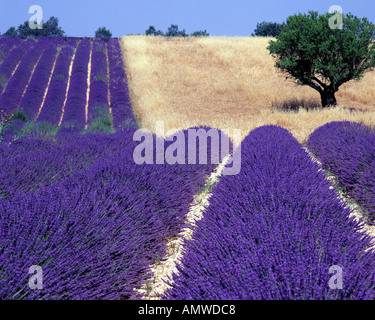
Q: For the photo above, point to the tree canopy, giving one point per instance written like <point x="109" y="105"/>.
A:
<point x="151" y="31"/>
<point x="50" y="28"/>
<point x="103" y="33"/>
<point x="310" y="51"/>
<point x="268" y="29"/>
<point x="174" y="31"/>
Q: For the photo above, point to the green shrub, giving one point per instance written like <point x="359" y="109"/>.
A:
<point x="294" y="105"/>
<point x="101" y="124"/>
<point x="20" y="115"/>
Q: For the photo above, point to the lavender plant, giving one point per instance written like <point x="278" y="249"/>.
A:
<point x="74" y="114"/>
<point x="11" y="62"/>
<point x="273" y="231"/>
<point x="119" y="92"/>
<point x="347" y="149"/>
<point x="52" y="109"/>
<point x="96" y="231"/>
<point x="34" y="94"/>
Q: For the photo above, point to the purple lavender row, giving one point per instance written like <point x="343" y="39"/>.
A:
<point x="347" y="149"/>
<point x="31" y="164"/>
<point x="7" y="45"/>
<point x="119" y="92"/>
<point x="75" y="114"/>
<point x="55" y="97"/>
<point x="11" y="62"/>
<point x="274" y="232"/>
<point x="12" y="95"/>
<point x="34" y="94"/>
<point x="96" y="233"/>
<point x="98" y="99"/>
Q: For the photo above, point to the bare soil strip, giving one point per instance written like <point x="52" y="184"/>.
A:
<point x="109" y="93"/>
<point x="49" y="82"/>
<point x="11" y="76"/>
<point x="88" y="87"/>
<point x="67" y="87"/>
<point x="164" y="269"/>
<point x="31" y="76"/>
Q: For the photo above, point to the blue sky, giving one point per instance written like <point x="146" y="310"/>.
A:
<point x="219" y="17"/>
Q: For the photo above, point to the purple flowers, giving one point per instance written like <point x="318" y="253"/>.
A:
<point x="52" y="109"/>
<point x="10" y="64"/>
<point x="98" y="100"/>
<point x="95" y="221"/>
<point x="274" y="231"/>
<point x="6" y="45"/>
<point x="74" y="114"/>
<point x="347" y="149"/>
<point x="108" y="92"/>
<point x="34" y="94"/>
<point x="120" y="100"/>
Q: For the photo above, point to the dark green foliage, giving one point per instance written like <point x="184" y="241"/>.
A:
<point x="12" y="31"/>
<point x="309" y="51"/>
<point x="103" y="33"/>
<point x="102" y="121"/>
<point x="295" y="105"/>
<point x="199" y="33"/>
<point x="173" y="31"/>
<point x="41" y="129"/>
<point x="101" y="125"/>
<point x="151" y="31"/>
<point x="20" y="115"/>
<point x="50" y="28"/>
<point x="268" y="29"/>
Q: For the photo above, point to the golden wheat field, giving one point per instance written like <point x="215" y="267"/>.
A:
<point x="227" y="83"/>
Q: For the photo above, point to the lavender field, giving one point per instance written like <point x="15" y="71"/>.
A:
<point x="74" y="202"/>
<point x="65" y="81"/>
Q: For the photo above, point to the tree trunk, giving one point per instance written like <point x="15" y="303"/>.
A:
<point x="328" y="97"/>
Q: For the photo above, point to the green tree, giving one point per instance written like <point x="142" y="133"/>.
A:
<point x="174" y="32"/>
<point x="103" y="33"/>
<point x="12" y="31"/>
<point x="321" y="57"/>
<point x="268" y="29"/>
<point x="199" y="33"/>
<point x="151" y="31"/>
<point x="50" y="28"/>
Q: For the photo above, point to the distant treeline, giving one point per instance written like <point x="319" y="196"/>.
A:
<point x="173" y="31"/>
<point x="51" y="28"/>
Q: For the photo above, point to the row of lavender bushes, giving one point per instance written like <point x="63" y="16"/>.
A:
<point x="347" y="150"/>
<point x="273" y="231"/>
<point x="94" y="231"/>
<point x="54" y="101"/>
<point x="98" y="105"/>
<point x="74" y="113"/>
<point x="26" y="90"/>
<point x="29" y="164"/>
<point x="12" y="95"/>
<point x="10" y="63"/>
<point x="35" y="91"/>
<point x="122" y="111"/>
<point x="7" y="45"/>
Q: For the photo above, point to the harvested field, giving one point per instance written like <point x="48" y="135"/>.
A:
<point x="227" y="83"/>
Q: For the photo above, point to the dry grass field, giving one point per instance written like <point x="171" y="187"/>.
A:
<point x="227" y="83"/>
